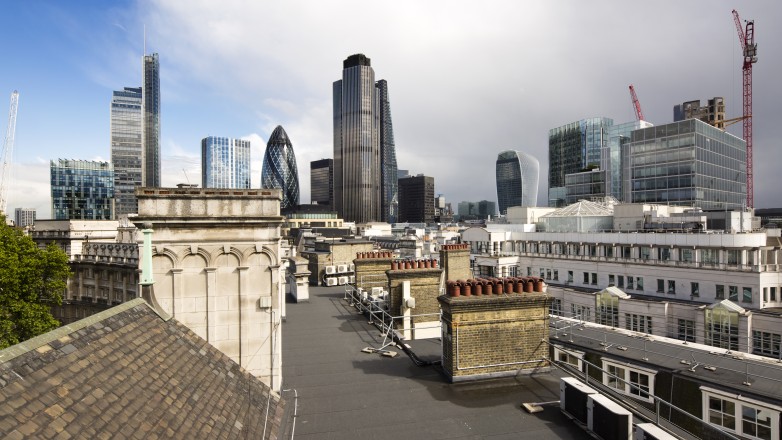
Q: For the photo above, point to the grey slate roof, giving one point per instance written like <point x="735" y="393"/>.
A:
<point x="130" y="373"/>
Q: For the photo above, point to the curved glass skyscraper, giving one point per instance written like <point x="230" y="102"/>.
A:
<point x="517" y="180"/>
<point x="279" y="168"/>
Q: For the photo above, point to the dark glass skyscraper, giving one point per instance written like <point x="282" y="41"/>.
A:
<point x="416" y="199"/>
<point x="279" y="168"/>
<point x="364" y="153"/>
<point x="126" y="144"/>
<point x="151" y="107"/>
<point x="322" y="182"/>
<point x="225" y="163"/>
<point x="517" y="180"/>
<point x="82" y="190"/>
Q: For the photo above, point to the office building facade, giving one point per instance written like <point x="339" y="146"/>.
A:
<point x="225" y="163"/>
<point x="24" y="217"/>
<point x="322" y="182"/>
<point x="364" y="151"/>
<point x="586" y="185"/>
<point x="82" y="190"/>
<point x="476" y="210"/>
<point x="150" y="173"/>
<point x="388" y="169"/>
<point x="689" y="163"/>
<point x="517" y="180"/>
<point x="416" y="199"/>
<point x="126" y="147"/>
<point x="573" y="148"/>
<point x="611" y="158"/>
<point x="713" y="113"/>
<point x="279" y="168"/>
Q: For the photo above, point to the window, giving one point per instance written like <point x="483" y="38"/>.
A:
<point x="773" y="293"/>
<point x="722" y="328"/>
<point x="594" y="278"/>
<point x="720" y="294"/>
<point x="611" y="281"/>
<point x="639" y="283"/>
<point x="709" y="256"/>
<point x="628" y="379"/>
<point x="571" y="357"/>
<point x="621" y="281"/>
<point x="607" y="309"/>
<point x="746" y="295"/>
<point x="663" y="254"/>
<point x="556" y="307"/>
<point x="586" y="277"/>
<point x="660" y="285"/>
<point x="570" y="276"/>
<point x="686" y="330"/>
<point x="583" y="313"/>
<point x="741" y="415"/>
<point x="627" y="251"/>
<point x="672" y="287"/>
<point x="733" y="293"/>
<point x="542" y="273"/>
<point x="687" y="255"/>
<point x="638" y="323"/>
<point x="629" y="283"/>
<point x="694" y="289"/>
<point x="556" y="275"/>
<point x="766" y="344"/>
<point x="610" y="251"/>
<point x="548" y="274"/>
<point x="646" y="252"/>
<point x="733" y="257"/>
<point x="529" y="271"/>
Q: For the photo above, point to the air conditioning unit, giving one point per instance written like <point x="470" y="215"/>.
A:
<point x="342" y="268"/>
<point x="607" y="420"/>
<point x="573" y="396"/>
<point x="331" y="281"/>
<point x="376" y="291"/>
<point x="351" y="267"/>
<point x="650" y="431"/>
<point x="330" y="270"/>
<point x="342" y="280"/>
<point x="352" y="279"/>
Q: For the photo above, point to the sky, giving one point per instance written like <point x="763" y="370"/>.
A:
<point x="466" y="79"/>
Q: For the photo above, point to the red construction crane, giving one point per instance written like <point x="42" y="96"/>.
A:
<point x="750" y="49"/>
<point x="639" y="115"/>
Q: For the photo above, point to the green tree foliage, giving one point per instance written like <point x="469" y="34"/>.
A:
<point x="31" y="281"/>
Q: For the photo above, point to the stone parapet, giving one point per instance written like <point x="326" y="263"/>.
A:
<point x="496" y="335"/>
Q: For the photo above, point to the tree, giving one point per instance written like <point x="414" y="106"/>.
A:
<point x="31" y="281"/>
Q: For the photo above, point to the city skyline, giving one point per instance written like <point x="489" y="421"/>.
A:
<point x="63" y="114"/>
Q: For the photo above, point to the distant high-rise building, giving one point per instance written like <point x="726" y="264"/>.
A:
<point x="611" y="158"/>
<point x="573" y="148"/>
<point x="150" y="173"/>
<point x="713" y="113"/>
<point x="126" y="148"/>
<point x="279" y="168"/>
<point x="416" y="199"/>
<point x="225" y="163"/>
<point x="689" y="163"/>
<point x="24" y="217"/>
<point x="322" y="182"/>
<point x="388" y="170"/>
<point x="517" y="180"/>
<point x="364" y="151"/>
<point x="476" y="210"/>
<point x="82" y="190"/>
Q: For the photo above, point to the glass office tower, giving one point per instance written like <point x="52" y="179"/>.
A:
<point x="322" y="182"/>
<point x="416" y="199"/>
<point x="126" y="144"/>
<point x="225" y="163"/>
<point x="517" y="180"/>
<point x="686" y="163"/>
<point x="364" y="150"/>
<point x="279" y="168"/>
<point x="388" y="170"/>
<point x="151" y="105"/>
<point x="611" y="159"/>
<point x="82" y="190"/>
<point x="574" y="148"/>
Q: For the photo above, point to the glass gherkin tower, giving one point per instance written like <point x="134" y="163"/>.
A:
<point x="279" y="168"/>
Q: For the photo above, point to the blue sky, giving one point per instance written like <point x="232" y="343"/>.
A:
<point x="467" y="80"/>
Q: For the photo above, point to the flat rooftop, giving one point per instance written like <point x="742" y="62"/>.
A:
<point x="344" y="393"/>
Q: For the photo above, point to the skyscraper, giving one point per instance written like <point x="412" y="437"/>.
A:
<point x="279" y="168"/>
<point x="322" y="182"/>
<point x="517" y="180"/>
<point x="126" y="146"/>
<point x="573" y="148"/>
<point x="364" y="151"/>
<point x="416" y="199"/>
<point x="225" y="163"/>
<point x="24" y="217"/>
<point x="611" y="158"/>
<point x="150" y="173"/>
<point x="82" y="190"/>
<point x="388" y="181"/>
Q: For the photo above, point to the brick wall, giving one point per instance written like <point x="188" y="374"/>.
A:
<point x="424" y="287"/>
<point x="455" y="261"/>
<point x="371" y="269"/>
<point x="494" y="335"/>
